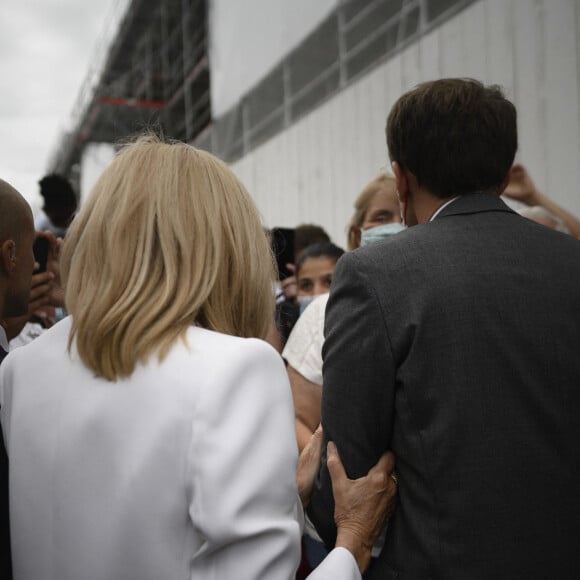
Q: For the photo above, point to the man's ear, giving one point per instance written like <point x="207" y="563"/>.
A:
<point x="8" y="255"/>
<point x="401" y="181"/>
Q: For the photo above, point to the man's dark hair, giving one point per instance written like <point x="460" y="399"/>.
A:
<point x="57" y="191"/>
<point x="456" y="136"/>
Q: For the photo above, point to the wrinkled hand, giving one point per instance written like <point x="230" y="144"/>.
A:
<point x="362" y="506"/>
<point x="520" y="186"/>
<point x="308" y="466"/>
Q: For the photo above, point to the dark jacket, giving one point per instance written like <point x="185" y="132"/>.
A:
<point x="457" y="345"/>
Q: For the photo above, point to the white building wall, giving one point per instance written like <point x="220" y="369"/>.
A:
<point x="247" y="39"/>
<point x="313" y="171"/>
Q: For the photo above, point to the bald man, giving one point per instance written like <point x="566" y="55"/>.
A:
<point x="16" y="256"/>
<point x="16" y="265"/>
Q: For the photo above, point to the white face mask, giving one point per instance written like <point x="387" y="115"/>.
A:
<point x="304" y="301"/>
<point x="378" y="233"/>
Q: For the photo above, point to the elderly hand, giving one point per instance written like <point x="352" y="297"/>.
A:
<point x="362" y="506"/>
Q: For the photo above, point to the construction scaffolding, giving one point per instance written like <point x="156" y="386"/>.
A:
<point x="154" y="72"/>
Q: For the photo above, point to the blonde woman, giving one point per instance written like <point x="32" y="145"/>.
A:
<point x="150" y="434"/>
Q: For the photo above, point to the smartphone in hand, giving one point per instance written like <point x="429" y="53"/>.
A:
<point x="41" y="248"/>
<point x="283" y="246"/>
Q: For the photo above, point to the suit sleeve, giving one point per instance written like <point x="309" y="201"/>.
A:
<point x="358" y="383"/>
<point x="243" y="471"/>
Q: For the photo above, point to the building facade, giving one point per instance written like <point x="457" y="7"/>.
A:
<point x="294" y="95"/>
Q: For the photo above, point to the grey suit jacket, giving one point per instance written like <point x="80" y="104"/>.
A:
<point x="457" y="345"/>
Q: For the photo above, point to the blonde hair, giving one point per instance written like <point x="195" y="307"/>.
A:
<point x="382" y="182"/>
<point x="168" y="237"/>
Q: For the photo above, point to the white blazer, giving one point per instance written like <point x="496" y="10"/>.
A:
<point x="185" y="470"/>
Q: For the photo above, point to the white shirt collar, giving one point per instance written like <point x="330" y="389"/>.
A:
<point x="440" y="209"/>
<point x="3" y="339"/>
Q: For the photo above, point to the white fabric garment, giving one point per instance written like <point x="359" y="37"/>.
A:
<point x="303" y="350"/>
<point x="186" y="469"/>
<point x="30" y="332"/>
<point x="338" y="565"/>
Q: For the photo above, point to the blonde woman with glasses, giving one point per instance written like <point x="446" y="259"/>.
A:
<point x="150" y="434"/>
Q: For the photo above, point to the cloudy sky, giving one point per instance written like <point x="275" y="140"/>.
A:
<point x="46" y="47"/>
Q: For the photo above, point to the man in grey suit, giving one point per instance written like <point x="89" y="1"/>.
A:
<point x="456" y="344"/>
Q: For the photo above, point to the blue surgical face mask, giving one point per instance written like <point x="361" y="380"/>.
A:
<point x="372" y="235"/>
<point x="304" y="301"/>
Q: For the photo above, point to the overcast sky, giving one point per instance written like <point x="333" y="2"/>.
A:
<point x="46" y="47"/>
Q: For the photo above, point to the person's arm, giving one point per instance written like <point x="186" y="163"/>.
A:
<point x="362" y="507"/>
<point x="359" y="383"/>
<point x="522" y="188"/>
<point x="307" y="397"/>
<point x="304" y="357"/>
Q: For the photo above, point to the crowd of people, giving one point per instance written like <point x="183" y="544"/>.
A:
<point x="176" y="390"/>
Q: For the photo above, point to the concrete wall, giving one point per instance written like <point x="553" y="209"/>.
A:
<point x="313" y="171"/>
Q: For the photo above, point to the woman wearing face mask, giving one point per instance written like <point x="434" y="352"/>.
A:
<point x="377" y="213"/>
<point x="314" y="271"/>
<point x="377" y="216"/>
